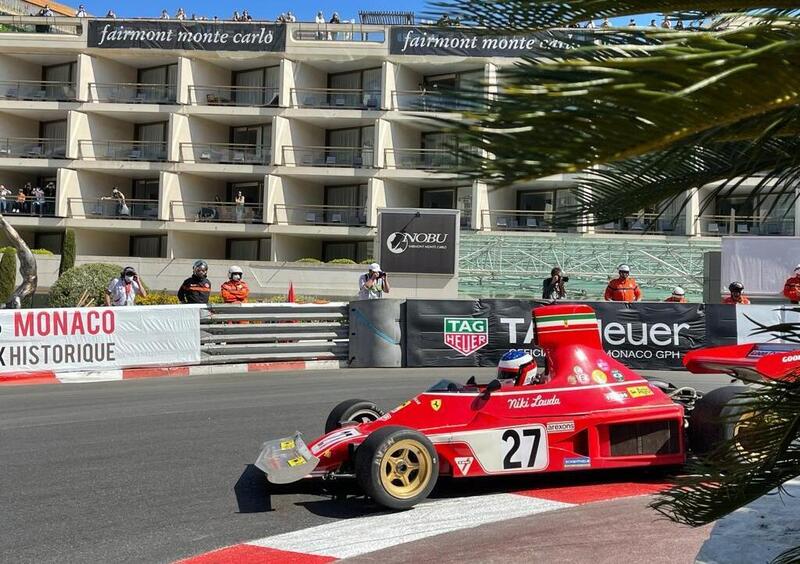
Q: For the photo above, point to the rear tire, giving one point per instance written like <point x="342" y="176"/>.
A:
<point x="352" y="410"/>
<point x="397" y="467"/>
<point x="706" y="429"/>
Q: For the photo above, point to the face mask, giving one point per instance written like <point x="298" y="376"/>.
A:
<point x="128" y="279"/>
<point x="201" y="274"/>
<point x="236" y="277"/>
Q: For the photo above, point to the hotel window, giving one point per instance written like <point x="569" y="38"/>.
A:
<point x="365" y="84"/>
<point x="261" y="84"/>
<point x="248" y="249"/>
<point x="161" y="81"/>
<point x="148" y="246"/>
<point x="357" y="251"/>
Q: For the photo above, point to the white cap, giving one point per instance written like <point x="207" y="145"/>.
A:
<point x="624" y="268"/>
<point x="796" y="268"/>
<point x="678" y="291"/>
<point x="375" y="267"/>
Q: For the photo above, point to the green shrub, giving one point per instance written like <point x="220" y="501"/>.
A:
<point x="342" y="261"/>
<point x="8" y="273"/>
<point x="6" y="250"/>
<point x="67" y="252"/>
<point x="157" y="297"/>
<point x="310" y="260"/>
<point x="91" y="278"/>
<point x="367" y="261"/>
<point x="215" y="299"/>
<point x="42" y="252"/>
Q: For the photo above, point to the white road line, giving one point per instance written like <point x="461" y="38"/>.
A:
<point x="352" y="537"/>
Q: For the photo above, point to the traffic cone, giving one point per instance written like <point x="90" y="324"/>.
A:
<point x="290" y="297"/>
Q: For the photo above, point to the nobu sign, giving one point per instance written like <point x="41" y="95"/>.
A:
<point x="418" y="242"/>
<point x="187" y="35"/>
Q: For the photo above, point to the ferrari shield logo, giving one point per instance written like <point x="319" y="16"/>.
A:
<point x="436" y="404"/>
<point x="466" y="334"/>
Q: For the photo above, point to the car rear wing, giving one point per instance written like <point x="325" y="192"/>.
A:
<point x="751" y="362"/>
<point x="566" y="324"/>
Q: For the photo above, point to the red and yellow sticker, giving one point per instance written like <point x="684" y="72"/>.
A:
<point x="599" y="376"/>
<point x="436" y="404"/>
<point x="639" y="391"/>
<point x="296" y="461"/>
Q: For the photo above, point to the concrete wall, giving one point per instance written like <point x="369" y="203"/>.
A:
<point x="13" y="69"/>
<point x="192" y="188"/>
<point x="103" y="71"/>
<point x="195" y="245"/>
<point x="101" y="244"/>
<point x="200" y="73"/>
<point x="400" y="195"/>
<point x="306" y="76"/>
<point x="16" y="126"/>
<point x="290" y="248"/>
<point x="87" y="189"/>
<point x="291" y="191"/>
<point x="97" y="128"/>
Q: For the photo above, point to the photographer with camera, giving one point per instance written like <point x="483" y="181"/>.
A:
<point x="373" y="284"/>
<point x="122" y="291"/>
<point x="553" y="287"/>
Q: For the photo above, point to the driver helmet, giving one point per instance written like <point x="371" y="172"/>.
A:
<point x="513" y="364"/>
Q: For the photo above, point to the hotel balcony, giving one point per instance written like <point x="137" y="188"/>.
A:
<point x="225" y="153"/>
<point x="32" y="148"/>
<point x="719" y="225"/>
<point x="421" y="159"/>
<point x="258" y="96"/>
<point x="37" y="91"/>
<point x="427" y="101"/>
<point x="151" y="151"/>
<point x="109" y="208"/>
<point x="340" y="157"/>
<point x="132" y="93"/>
<point x="649" y="223"/>
<point x="29" y="208"/>
<point x="215" y="212"/>
<point x="515" y="220"/>
<point x="333" y="98"/>
<point x="350" y="216"/>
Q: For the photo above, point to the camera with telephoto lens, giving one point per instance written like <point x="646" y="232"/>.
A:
<point x="565" y="278"/>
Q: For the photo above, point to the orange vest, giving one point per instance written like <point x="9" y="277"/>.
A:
<point x="792" y="289"/>
<point x="677" y="299"/>
<point x="234" y="292"/>
<point x="623" y="290"/>
<point x="744" y="300"/>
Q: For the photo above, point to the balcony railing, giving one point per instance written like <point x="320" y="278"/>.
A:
<point x="320" y="215"/>
<point x="110" y="208"/>
<point x="431" y="101"/>
<point x="155" y="151"/>
<point x="225" y="153"/>
<point x="648" y="223"/>
<point x="308" y="31"/>
<point x="31" y="206"/>
<point x="233" y="96"/>
<point x="132" y="93"/>
<point x="37" y="91"/>
<point x="61" y="25"/>
<point x="421" y="159"/>
<point x="515" y="220"/>
<point x="336" y="98"/>
<point x="718" y="225"/>
<point x="216" y="212"/>
<point x="32" y="148"/>
<point x="352" y="157"/>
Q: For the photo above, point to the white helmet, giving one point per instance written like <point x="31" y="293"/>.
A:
<point x="375" y="267"/>
<point x="235" y="270"/>
<point x="678" y="291"/>
<point x="797" y="268"/>
<point x="624" y="268"/>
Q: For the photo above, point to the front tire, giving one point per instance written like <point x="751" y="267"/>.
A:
<point x="352" y="411"/>
<point x="397" y="467"/>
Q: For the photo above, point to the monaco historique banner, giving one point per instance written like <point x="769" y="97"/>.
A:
<point x="78" y="339"/>
<point x="187" y="35"/>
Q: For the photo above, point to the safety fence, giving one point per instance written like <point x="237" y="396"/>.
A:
<point x="273" y="332"/>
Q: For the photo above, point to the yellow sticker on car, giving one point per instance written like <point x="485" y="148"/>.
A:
<point x="296" y="461"/>
<point x="286" y="445"/>
<point x="639" y="391"/>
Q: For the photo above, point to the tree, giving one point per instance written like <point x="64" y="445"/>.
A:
<point x="83" y="285"/>
<point x="67" y="252"/>
<point x="647" y="115"/>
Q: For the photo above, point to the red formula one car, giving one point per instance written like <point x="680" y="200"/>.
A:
<point x="585" y="411"/>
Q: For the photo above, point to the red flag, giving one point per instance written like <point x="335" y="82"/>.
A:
<point x="290" y="297"/>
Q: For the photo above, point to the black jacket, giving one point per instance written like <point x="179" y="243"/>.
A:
<point x="194" y="290"/>
<point x="550" y="290"/>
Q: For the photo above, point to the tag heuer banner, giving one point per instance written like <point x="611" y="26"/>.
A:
<point x="640" y="335"/>
<point x="187" y="35"/>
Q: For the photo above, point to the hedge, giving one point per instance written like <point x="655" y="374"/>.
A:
<point x="91" y="278"/>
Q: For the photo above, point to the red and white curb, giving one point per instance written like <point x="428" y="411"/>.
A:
<point x="355" y="537"/>
<point x="88" y="376"/>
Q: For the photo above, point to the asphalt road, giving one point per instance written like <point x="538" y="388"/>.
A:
<point x="156" y="470"/>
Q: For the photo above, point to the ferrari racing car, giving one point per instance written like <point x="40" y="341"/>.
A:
<point x="581" y="410"/>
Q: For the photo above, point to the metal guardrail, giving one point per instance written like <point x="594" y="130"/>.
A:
<point x="336" y="98"/>
<point x="260" y="96"/>
<point x="263" y="332"/>
<point x="225" y="153"/>
<point x="352" y="157"/>
<point x="108" y="208"/>
<point x="155" y="151"/>
<point x="37" y="91"/>
<point x="132" y="93"/>
<point x="351" y="216"/>
<point x="719" y="225"/>
<point x="33" y="148"/>
<point x="216" y="212"/>
<point x="421" y="159"/>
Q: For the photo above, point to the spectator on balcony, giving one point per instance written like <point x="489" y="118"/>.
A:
<point x="290" y="17"/>
<point x="19" y="205"/>
<point x="652" y="23"/>
<point x="590" y="24"/>
<point x="180" y="14"/>
<point x="678" y="296"/>
<point x="320" y="21"/>
<point x="791" y="289"/>
<point x="679" y="25"/>
<point x="632" y="23"/>
<point x="37" y="207"/>
<point x="81" y="13"/>
<point x="235" y="290"/>
<point x="737" y="295"/>
<point x="119" y="198"/>
<point x="624" y="288"/>
<point x="122" y="291"/>
<point x="239" y="201"/>
<point x="665" y="23"/>
<point x="46" y="12"/>
<point x="553" y="287"/>
<point x="111" y="14"/>
<point x="50" y="198"/>
<point x="606" y="22"/>
<point x="5" y="205"/>
<point x="246" y="16"/>
<point x="236" y="17"/>
<point x="196" y="289"/>
<point x="374" y="284"/>
<point x="164" y="15"/>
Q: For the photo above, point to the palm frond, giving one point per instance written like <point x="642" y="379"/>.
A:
<point x="742" y="469"/>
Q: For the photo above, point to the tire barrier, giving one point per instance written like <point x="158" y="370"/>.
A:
<point x="376" y="334"/>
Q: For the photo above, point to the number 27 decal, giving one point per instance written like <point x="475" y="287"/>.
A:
<point x="521" y="448"/>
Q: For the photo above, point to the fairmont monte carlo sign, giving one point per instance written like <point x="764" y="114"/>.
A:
<point x="187" y="35"/>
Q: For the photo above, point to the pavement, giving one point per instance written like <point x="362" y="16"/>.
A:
<point x="160" y="469"/>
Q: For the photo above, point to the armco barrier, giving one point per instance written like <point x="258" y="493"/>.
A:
<point x="273" y="332"/>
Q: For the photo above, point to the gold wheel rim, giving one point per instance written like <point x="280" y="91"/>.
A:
<point x="741" y="431"/>
<point x="405" y="469"/>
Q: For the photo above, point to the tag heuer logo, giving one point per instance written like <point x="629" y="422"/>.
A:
<point x="466" y="334"/>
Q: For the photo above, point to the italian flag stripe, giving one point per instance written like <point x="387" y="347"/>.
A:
<point x="560" y="325"/>
<point x="565" y="317"/>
